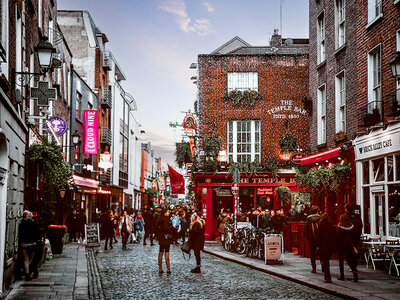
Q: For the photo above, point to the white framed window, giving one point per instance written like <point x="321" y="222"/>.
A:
<point x="340" y="101"/>
<point x="40" y="13"/>
<point x="374" y="10"/>
<point x="374" y="79"/>
<point x="244" y="140"/>
<point x="321" y="115"/>
<point x="242" y="81"/>
<point x="340" y="22"/>
<point x="321" y="37"/>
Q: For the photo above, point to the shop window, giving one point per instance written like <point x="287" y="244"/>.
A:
<point x="366" y="211"/>
<point x="394" y="210"/>
<point x="365" y="172"/>
<point x="390" y="168"/>
<point x="397" y="165"/>
<point x="379" y="169"/>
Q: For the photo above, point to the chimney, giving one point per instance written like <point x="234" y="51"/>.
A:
<point x="276" y="39"/>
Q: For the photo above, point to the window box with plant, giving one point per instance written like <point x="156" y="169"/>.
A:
<point x="243" y="98"/>
<point x="372" y="117"/>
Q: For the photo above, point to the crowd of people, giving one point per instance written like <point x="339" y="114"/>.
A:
<point x="166" y="224"/>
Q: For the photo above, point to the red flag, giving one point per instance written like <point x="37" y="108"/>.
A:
<point x="177" y="181"/>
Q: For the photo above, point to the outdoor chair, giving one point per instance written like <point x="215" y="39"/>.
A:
<point x="377" y="253"/>
<point x="394" y="254"/>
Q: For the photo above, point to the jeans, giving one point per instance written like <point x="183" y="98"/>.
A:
<point x="198" y="259"/>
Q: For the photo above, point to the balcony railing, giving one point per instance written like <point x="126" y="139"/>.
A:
<point x="107" y="60"/>
<point x="105" y="136"/>
<point x="106" y="178"/>
<point x="394" y="103"/>
<point x="106" y="98"/>
<point x="372" y="113"/>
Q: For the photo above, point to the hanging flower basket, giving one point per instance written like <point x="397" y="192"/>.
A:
<point x="283" y="193"/>
<point x="247" y="97"/>
<point x="288" y="142"/>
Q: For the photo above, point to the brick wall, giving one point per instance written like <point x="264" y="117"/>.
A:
<point x="280" y="78"/>
<point x="337" y="60"/>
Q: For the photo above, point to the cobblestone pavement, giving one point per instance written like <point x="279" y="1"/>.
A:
<point x="133" y="273"/>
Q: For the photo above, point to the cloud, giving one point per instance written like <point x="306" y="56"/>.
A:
<point x="177" y="8"/>
<point x="209" y="7"/>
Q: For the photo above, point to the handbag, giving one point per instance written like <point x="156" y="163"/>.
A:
<point x="185" y="248"/>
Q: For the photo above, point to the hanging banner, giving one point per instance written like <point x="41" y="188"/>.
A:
<point x="192" y="146"/>
<point x="177" y="181"/>
<point x="91" y="131"/>
<point x="161" y="183"/>
<point x="155" y="185"/>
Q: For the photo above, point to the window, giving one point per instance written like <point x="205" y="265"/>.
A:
<point x="398" y="49"/>
<point x="321" y="38"/>
<point x="40" y="13"/>
<point x="242" y="81"/>
<point x="340" y="23"/>
<point x="379" y="169"/>
<point x="374" y="10"/>
<point x="3" y="30"/>
<point x="78" y="106"/>
<point x="340" y="86"/>
<point x="321" y="115"/>
<point x="244" y="141"/>
<point x="374" y="79"/>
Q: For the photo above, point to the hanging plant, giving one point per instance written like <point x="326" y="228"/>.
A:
<point x="283" y="193"/>
<point x="288" y="142"/>
<point x="247" y="97"/>
<point x="272" y="165"/>
<point x="183" y="154"/>
<point x="339" y="173"/>
<point x="211" y="165"/>
<point x="246" y="167"/>
<point x="54" y="169"/>
<point x="212" y="145"/>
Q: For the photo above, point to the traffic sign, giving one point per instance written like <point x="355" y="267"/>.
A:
<point x="235" y="188"/>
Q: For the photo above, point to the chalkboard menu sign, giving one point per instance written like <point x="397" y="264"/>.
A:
<point x="92" y="234"/>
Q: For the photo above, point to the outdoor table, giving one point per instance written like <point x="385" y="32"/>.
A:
<point x="373" y="251"/>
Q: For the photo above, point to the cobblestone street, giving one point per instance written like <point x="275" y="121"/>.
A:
<point x="133" y="273"/>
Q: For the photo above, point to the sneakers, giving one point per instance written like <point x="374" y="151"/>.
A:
<point x="341" y="278"/>
<point x="328" y="280"/>
<point x="355" y="274"/>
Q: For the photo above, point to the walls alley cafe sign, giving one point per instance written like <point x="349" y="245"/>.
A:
<point x="91" y="131"/>
<point x="381" y="143"/>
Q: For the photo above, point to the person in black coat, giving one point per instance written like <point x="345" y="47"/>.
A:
<point x="72" y="224"/>
<point x="28" y="237"/>
<point x="310" y="232"/>
<point x="197" y="239"/>
<point x="165" y="230"/>
<point x="108" y="229"/>
<point x="326" y="243"/>
<point x="345" y="246"/>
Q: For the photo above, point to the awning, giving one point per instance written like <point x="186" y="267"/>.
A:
<point x="313" y="158"/>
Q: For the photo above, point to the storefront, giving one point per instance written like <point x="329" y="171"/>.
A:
<point x="377" y="157"/>
<point x="213" y="194"/>
<point x="84" y="198"/>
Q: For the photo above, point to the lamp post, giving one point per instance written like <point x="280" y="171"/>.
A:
<point x="395" y="66"/>
<point x="75" y="137"/>
<point x="45" y="52"/>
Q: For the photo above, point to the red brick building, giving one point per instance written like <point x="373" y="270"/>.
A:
<point x="249" y="124"/>
<point x="355" y="104"/>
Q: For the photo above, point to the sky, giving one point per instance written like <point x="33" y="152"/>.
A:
<point x="155" y="41"/>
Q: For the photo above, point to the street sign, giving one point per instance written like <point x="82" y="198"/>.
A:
<point x="296" y="157"/>
<point x="235" y="188"/>
<point x="43" y="93"/>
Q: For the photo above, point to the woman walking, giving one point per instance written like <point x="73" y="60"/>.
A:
<point x="165" y="230"/>
<point x="326" y="241"/>
<point x="196" y="238"/>
<point x="125" y="228"/>
<point x="346" y="247"/>
<point x="108" y="229"/>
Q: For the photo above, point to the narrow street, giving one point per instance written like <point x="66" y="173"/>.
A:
<point x="133" y="273"/>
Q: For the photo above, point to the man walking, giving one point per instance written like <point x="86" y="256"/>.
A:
<point x="148" y="217"/>
<point x="310" y="232"/>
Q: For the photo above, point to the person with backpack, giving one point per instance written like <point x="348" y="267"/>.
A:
<point x="310" y="232"/>
<point x="326" y="242"/>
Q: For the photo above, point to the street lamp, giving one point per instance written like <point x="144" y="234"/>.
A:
<point x="395" y="66"/>
<point x="45" y="52"/>
<point x="75" y="138"/>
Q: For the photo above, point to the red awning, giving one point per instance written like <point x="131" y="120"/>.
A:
<point x="334" y="152"/>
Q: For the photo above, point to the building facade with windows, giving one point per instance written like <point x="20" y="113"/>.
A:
<point x="250" y="97"/>
<point x="355" y="106"/>
<point x="376" y="146"/>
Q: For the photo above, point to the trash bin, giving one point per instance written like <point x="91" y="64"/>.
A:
<point x="55" y="235"/>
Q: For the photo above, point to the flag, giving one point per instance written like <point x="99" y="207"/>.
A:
<point x="177" y="181"/>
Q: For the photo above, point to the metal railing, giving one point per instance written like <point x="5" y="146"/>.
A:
<point x="372" y="113"/>
<point x="106" y="98"/>
<point x="105" y="135"/>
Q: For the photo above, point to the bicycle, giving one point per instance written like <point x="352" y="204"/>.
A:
<point x="228" y="239"/>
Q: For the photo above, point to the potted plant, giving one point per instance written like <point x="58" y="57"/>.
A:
<point x="283" y="193"/>
<point x="246" y="98"/>
<point x="373" y="117"/>
<point x="341" y="134"/>
<point x="288" y="142"/>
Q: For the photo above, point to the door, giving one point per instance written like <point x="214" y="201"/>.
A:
<point x="380" y="222"/>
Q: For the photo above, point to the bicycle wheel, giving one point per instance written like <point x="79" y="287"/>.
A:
<point x="241" y="246"/>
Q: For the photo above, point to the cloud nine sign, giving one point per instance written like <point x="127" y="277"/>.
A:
<point x="91" y="120"/>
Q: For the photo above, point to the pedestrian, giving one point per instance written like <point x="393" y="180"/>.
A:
<point x="116" y="222"/>
<point x="184" y="226"/>
<point x="125" y="228"/>
<point x="133" y="233"/>
<point x="326" y="242"/>
<point x="278" y="222"/>
<point x="291" y="213"/>
<point x="37" y="256"/>
<point x="138" y="225"/>
<point x="310" y="232"/>
<point x="149" y="221"/>
<point x="196" y="237"/>
<point x="81" y="226"/>
<point x="72" y="224"/>
<point x="108" y="229"/>
<point x="165" y="230"/>
<point x="346" y="247"/>
<point x="223" y="220"/>
<point x="176" y="223"/>
<point x="28" y="236"/>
